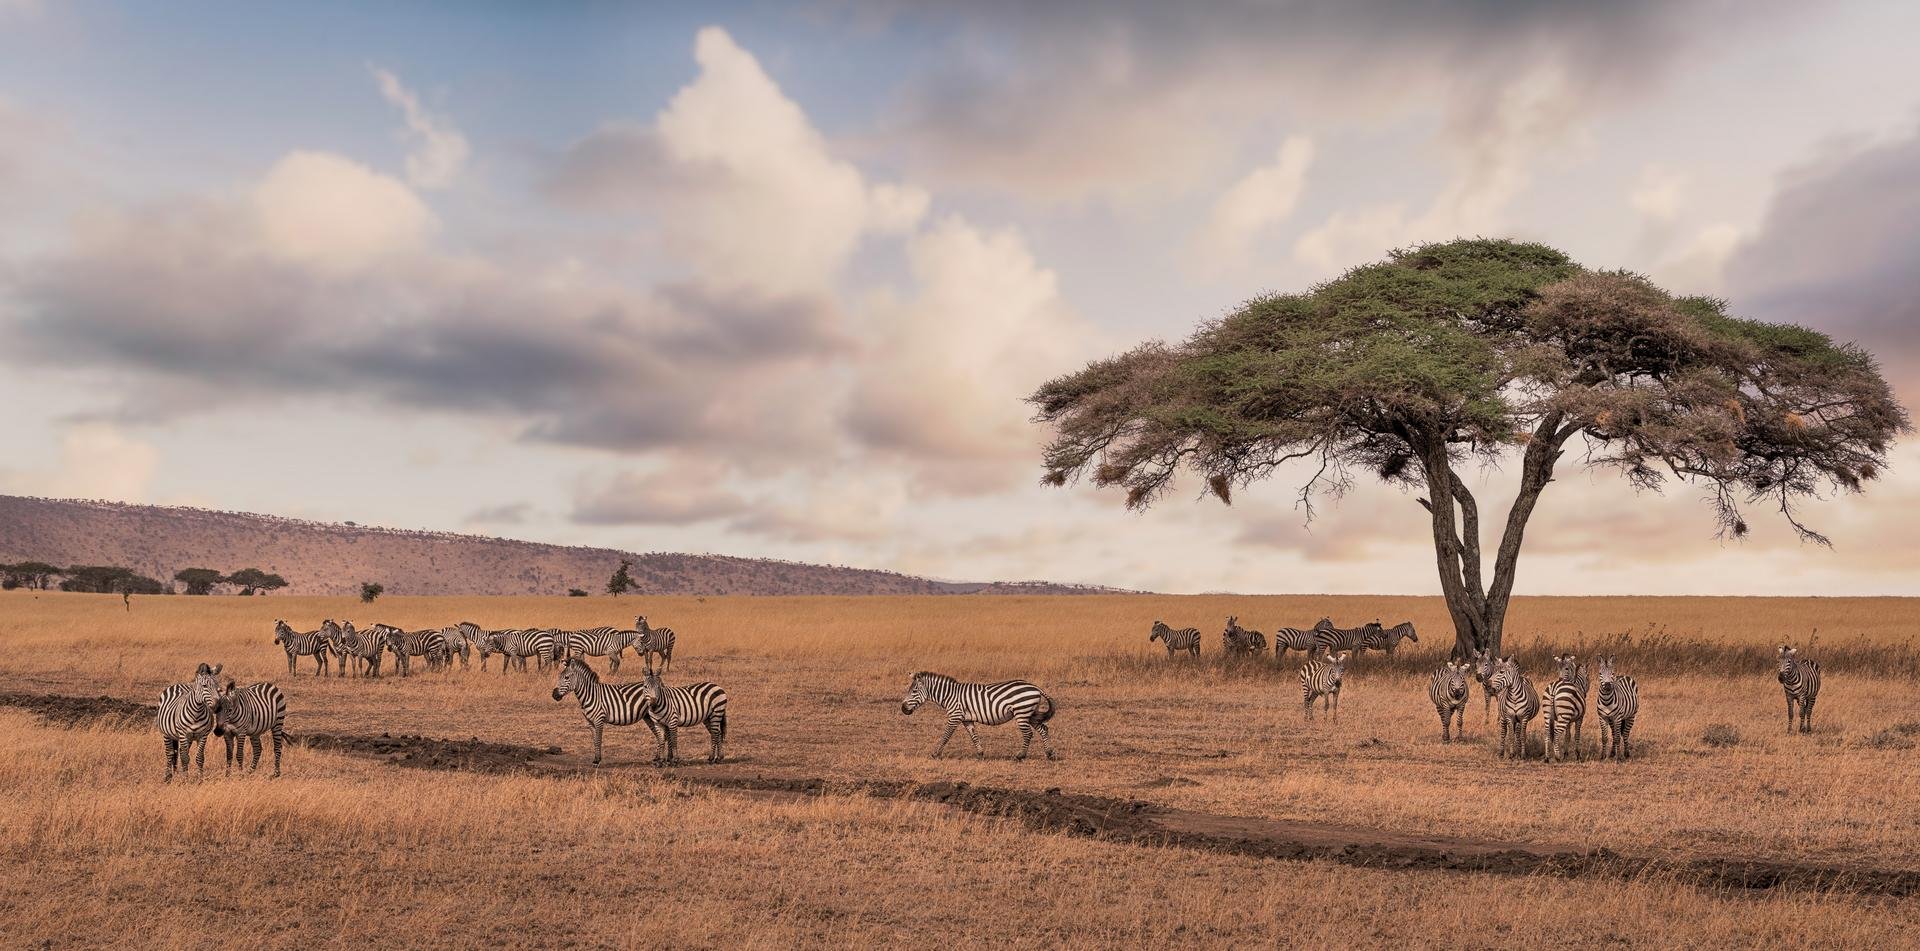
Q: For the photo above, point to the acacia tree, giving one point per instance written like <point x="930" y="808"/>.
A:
<point x="1473" y="352"/>
<point x="254" y="581"/>
<point x="199" y="580"/>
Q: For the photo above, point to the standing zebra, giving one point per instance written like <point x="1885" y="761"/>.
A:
<point x="1185" y="639"/>
<point x="474" y="639"/>
<point x="1801" y="681"/>
<point x="185" y="717"/>
<point x="1483" y="665"/>
<point x="653" y="641"/>
<point x="1448" y="691"/>
<point x="301" y="644"/>
<point x="1239" y="640"/>
<point x="516" y="645"/>
<point x="407" y="645"/>
<point x="601" y="704"/>
<point x="458" y="643"/>
<point x="1293" y="638"/>
<point x="1518" y="705"/>
<point x="1565" y="702"/>
<point x="1321" y="678"/>
<point x="1389" y="638"/>
<point x="243" y="714"/>
<point x="1617" y="705"/>
<point x="992" y="704"/>
<point x="670" y="708"/>
<point x="337" y="642"/>
<point x="608" y="642"/>
<point x="364" y="647"/>
<point x="1350" y="639"/>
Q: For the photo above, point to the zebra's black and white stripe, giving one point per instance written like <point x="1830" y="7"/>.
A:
<point x="653" y="642"/>
<point x="407" y="645"/>
<point x="670" y="708"/>
<point x="1616" y="706"/>
<point x="300" y="644"/>
<point x="1519" y="704"/>
<point x="1448" y="691"/>
<point x="1483" y="667"/>
<point x="517" y="645"/>
<point x="1349" y="639"/>
<point x="608" y="642"/>
<point x="185" y="717"/>
<point x="992" y="704"/>
<point x="363" y="648"/>
<point x="1293" y="638"/>
<point x="1800" y="678"/>
<point x="1185" y="639"/>
<point x="1565" y="703"/>
<point x="1239" y="640"/>
<point x="602" y="705"/>
<point x="243" y="714"/>
<point x="1321" y="678"/>
<point x="473" y="638"/>
<point x="1389" y="638"/>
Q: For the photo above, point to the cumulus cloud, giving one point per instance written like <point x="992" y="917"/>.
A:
<point x="680" y="494"/>
<point x="98" y="460"/>
<point x="332" y="212"/>
<point x="437" y="151"/>
<point x="1264" y="197"/>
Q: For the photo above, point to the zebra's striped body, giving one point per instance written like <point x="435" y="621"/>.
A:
<point x="1321" y="678"/>
<point x="407" y="645"/>
<point x="670" y="708"/>
<point x="364" y="648"/>
<point x="608" y="642"/>
<point x="1388" y="638"/>
<point x="602" y="705"/>
<point x="473" y="640"/>
<point x="185" y="717"/>
<point x="1565" y="703"/>
<point x="1483" y="665"/>
<point x="458" y="644"/>
<point x="1239" y="640"/>
<point x="243" y="714"/>
<point x="300" y="644"/>
<point x="1616" y="706"/>
<point x="1448" y="691"/>
<point x="1348" y="639"/>
<point x="1800" y="678"/>
<point x="1185" y="639"/>
<point x="516" y="645"/>
<point x="992" y="704"/>
<point x="653" y="642"/>
<point x="1519" y="704"/>
<point x="1293" y="638"/>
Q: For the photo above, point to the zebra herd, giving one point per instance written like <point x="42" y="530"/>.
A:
<point x="1561" y="704"/>
<point x="338" y="646"/>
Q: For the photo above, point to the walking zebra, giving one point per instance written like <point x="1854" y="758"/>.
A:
<point x="1801" y="680"/>
<point x="1565" y="701"/>
<point x="1448" y="691"/>
<point x="1239" y="640"/>
<point x="653" y="641"/>
<point x="670" y="708"/>
<point x="1349" y="639"/>
<point x="1321" y="678"/>
<point x="992" y="704"/>
<point x="407" y="645"/>
<point x="1185" y="639"/>
<point x="1518" y="705"/>
<point x="1617" y="705"/>
<point x="608" y="642"/>
<point x="601" y="704"/>
<point x="516" y="645"/>
<point x="1483" y="665"/>
<point x="243" y="714"/>
<point x="1293" y="638"/>
<point x="185" y="717"/>
<point x="301" y="644"/>
<point x="1389" y="638"/>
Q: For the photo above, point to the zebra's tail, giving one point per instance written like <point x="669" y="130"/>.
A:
<point x="1046" y="714"/>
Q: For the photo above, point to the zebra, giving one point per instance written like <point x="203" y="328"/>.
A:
<point x="1185" y="639"/>
<point x="1293" y="638"/>
<point x="407" y="645"/>
<point x="670" y="708"/>
<point x="1617" y="705"/>
<point x="185" y="717"/>
<point x="1349" y="639"/>
<point x="516" y="645"/>
<point x="1483" y="665"/>
<point x="243" y="714"/>
<point x="1321" y="678"/>
<point x="653" y="640"/>
<point x="337" y="642"/>
<point x="301" y="644"/>
<point x="366" y="647"/>
<point x="1389" y="638"/>
<point x="1448" y="691"/>
<point x="1518" y="705"/>
<point x="601" y="704"/>
<point x="459" y="643"/>
<point x="1239" y="640"/>
<point x="1565" y="701"/>
<point x="608" y="642"/>
<point x="992" y="704"/>
<point x="1800" y="678"/>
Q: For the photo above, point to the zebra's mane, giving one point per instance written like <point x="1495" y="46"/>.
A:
<point x="930" y="675"/>
<point x="584" y="667"/>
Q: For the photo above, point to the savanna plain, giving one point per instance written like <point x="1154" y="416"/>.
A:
<point x="357" y="849"/>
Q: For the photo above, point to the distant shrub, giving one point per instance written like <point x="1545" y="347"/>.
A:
<point x="576" y="593"/>
<point x="370" y="590"/>
<point x="1721" y="734"/>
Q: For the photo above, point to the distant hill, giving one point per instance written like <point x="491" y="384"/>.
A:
<point x="327" y="558"/>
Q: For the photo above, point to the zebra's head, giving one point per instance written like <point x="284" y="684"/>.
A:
<point x="575" y="675"/>
<point x="1605" y="673"/>
<point x="1789" y="659"/>
<point x="654" y="691"/>
<point x="206" y="685"/>
<point x="1405" y="629"/>
<point x="640" y="621"/>
<point x="1337" y="667"/>
<point x="1456" y="680"/>
<point x="1569" y="667"/>
<point x="916" y="693"/>
<point x="1159" y="631"/>
<point x="1505" y="672"/>
<point x="1324" y="624"/>
<point x="280" y="630"/>
<point x="223" y="710"/>
<point x="1482" y="665"/>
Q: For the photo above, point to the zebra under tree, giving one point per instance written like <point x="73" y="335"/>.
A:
<point x="1800" y="679"/>
<point x="670" y="708"/>
<point x="1448" y="691"/>
<point x="992" y="704"/>
<point x="1519" y="704"/>
<point x="185" y="717"/>
<point x="1565" y="703"/>
<point x="1185" y="639"/>
<point x="1616" y="706"/>
<point x="300" y="644"/>
<point x="243" y="714"/>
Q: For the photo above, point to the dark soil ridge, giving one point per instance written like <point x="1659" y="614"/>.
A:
<point x="1129" y="821"/>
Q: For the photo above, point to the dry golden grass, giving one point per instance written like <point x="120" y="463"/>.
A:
<point x="816" y="684"/>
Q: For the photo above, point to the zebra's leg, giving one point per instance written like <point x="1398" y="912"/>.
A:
<point x="673" y="744"/>
<point x="1446" y="722"/>
<point x="279" y="738"/>
<point x="1046" y="739"/>
<point x="952" y="725"/>
<point x="292" y="658"/>
<point x="1503" y="739"/>
<point x="256" y="753"/>
<point x="1309" y="708"/>
<point x="1026" y="741"/>
<point x="1626" y="738"/>
<point x="716" y="732"/>
<point x="200" y="759"/>
<point x="1806" y="715"/>
<point x="978" y="750"/>
<point x="173" y="746"/>
<point x="1789" y="713"/>
<point x="598" y="729"/>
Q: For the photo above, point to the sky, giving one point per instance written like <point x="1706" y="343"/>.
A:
<point x="773" y="279"/>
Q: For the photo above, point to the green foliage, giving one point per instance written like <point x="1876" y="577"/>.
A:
<point x="254" y="581"/>
<point x="109" y="579"/>
<point x="621" y="582"/>
<point x="199" y="580"/>
<point x="37" y="575"/>
<point x="370" y="590"/>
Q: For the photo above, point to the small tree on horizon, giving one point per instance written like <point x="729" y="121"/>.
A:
<point x="1472" y="353"/>
<point x="254" y="581"/>
<point x="622" y="581"/>
<point x="199" y="580"/>
<point x="370" y="590"/>
<point x="576" y="592"/>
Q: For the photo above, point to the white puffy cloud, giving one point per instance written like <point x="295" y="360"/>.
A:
<point x="437" y="149"/>
<point x="322" y="209"/>
<point x="97" y="460"/>
<point x="1262" y="198"/>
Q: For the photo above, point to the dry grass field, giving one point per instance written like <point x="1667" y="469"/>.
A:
<point x="348" y="849"/>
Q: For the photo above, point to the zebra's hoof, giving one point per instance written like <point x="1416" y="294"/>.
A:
<point x="1051" y="756"/>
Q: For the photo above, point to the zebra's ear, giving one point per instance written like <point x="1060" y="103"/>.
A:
<point x="229" y="686"/>
<point x="217" y="668"/>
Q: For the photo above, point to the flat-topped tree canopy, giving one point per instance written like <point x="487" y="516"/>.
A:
<point x="1481" y="350"/>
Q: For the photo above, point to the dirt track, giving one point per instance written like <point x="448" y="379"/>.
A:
<point x="1112" y="819"/>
